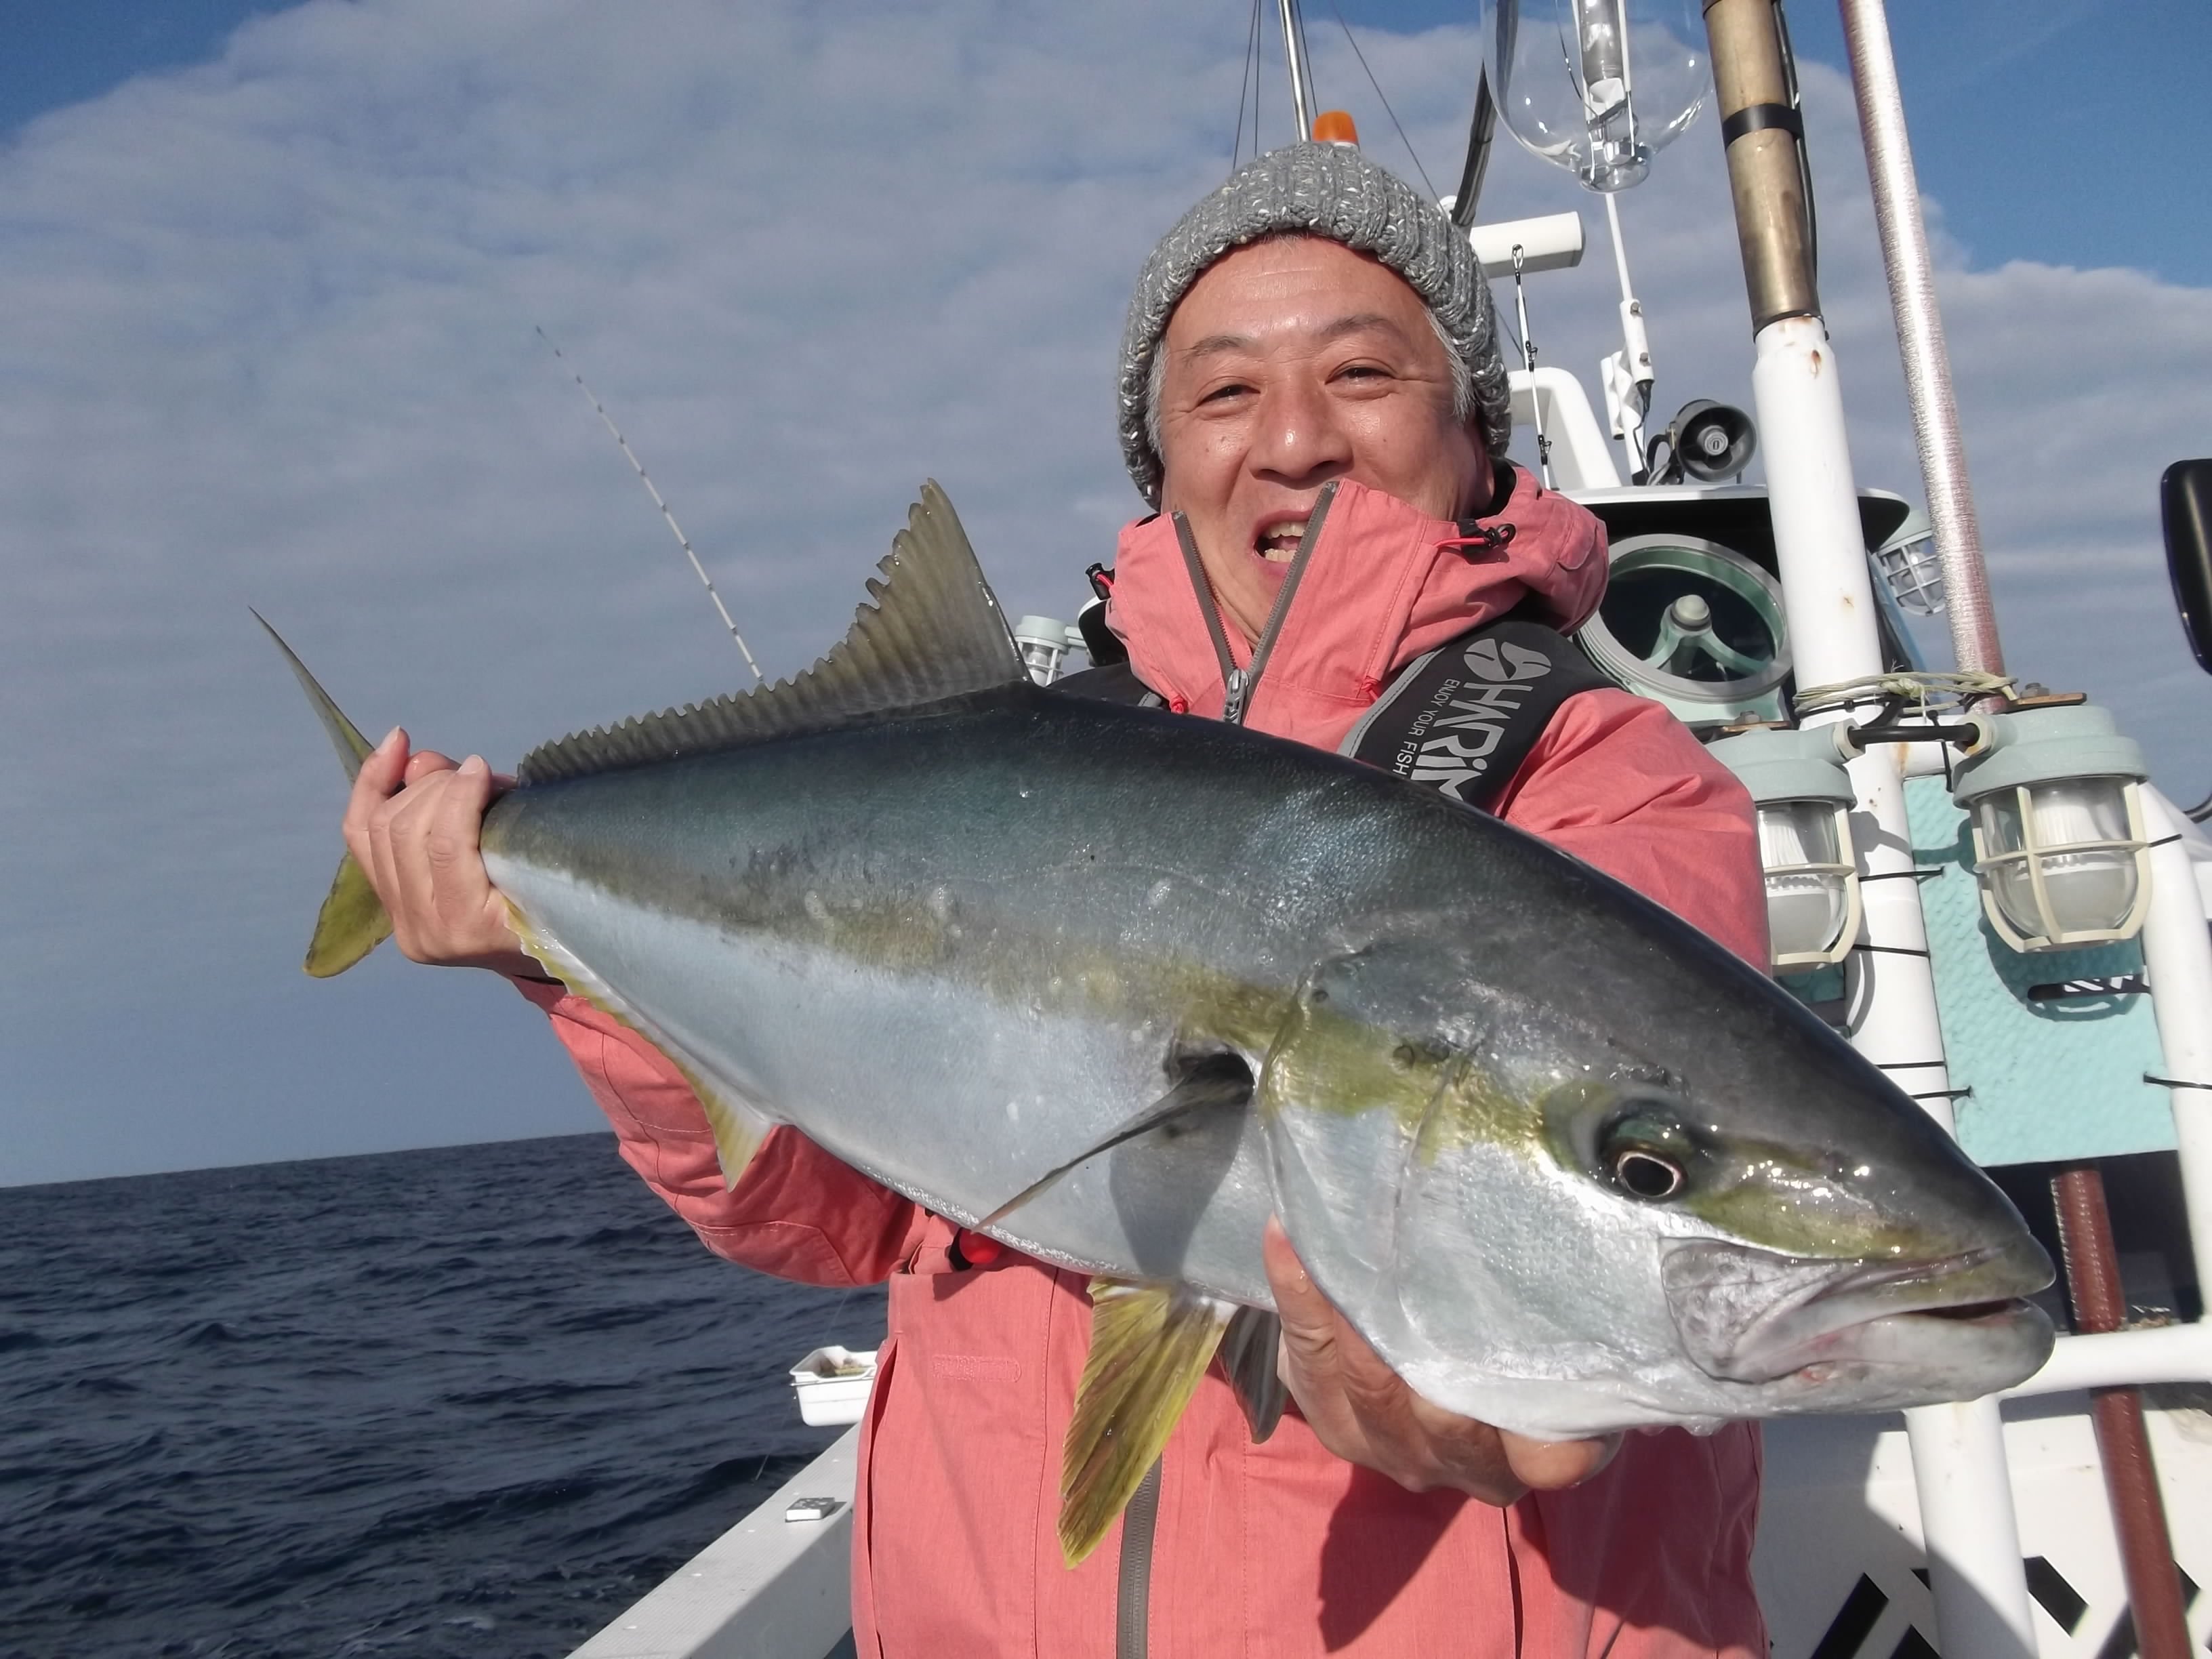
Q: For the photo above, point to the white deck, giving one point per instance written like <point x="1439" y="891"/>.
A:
<point x="766" y="1588"/>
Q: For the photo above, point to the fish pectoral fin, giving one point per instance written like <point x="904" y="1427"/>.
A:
<point x="351" y="923"/>
<point x="1217" y="1082"/>
<point x="1149" y="1344"/>
<point x="1249" y="1351"/>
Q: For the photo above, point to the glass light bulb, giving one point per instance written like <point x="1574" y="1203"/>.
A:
<point x="2089" y="889"/>
<point x="1805" y="909"/>
<point x="1597" y="86"/>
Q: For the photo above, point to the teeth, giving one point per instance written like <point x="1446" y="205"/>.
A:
<point x="1280" y="541"/>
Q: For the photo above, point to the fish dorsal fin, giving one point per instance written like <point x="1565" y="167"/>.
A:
<point x="931" y="631"/>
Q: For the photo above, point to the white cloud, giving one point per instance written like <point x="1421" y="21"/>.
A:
<point x="268" y="340"/>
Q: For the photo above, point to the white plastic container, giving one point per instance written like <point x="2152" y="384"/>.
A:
<point x="832" y="1384"/>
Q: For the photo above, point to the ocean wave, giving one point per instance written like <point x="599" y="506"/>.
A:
<point x="299" y="1429"/>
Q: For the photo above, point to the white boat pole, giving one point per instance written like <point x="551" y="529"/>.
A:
<point x="1628" y="373"/>
<point x="1975" y="1568"/>
<point x="1920" y="337"/>
<point x="2150" y="1353"/>
<point x="2178" y="956"/>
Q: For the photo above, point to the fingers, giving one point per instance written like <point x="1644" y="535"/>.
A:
<point x="1554" y="1465"/>
<point x="1309" y="1319"/>
<point x="1364" y="1411"/>
<point x="414" y="824"/>
<point x="424" y="762"/>
<point x="381" y="775"/>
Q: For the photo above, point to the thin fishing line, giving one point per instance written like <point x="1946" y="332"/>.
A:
<point x="682" y="540"/>
<point x="1353" y="43"/>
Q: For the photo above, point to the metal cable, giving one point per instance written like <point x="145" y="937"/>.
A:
<point x="1353" y="43"/>
<point x="1244" y="83"/>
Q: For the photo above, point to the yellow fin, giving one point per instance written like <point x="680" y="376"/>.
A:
<point x="738" y="1129"/>
<point x="350" y="924"/>
<point x="1149" y="1345"/>
<point x="345" y="737"/>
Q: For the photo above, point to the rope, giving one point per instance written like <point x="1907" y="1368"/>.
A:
<point x="1929" y="693"/>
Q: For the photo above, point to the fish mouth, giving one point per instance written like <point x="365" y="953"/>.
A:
<point x="1959" y="1322"/>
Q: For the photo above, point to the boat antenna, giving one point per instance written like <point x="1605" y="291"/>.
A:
<point x="675" y="529"/>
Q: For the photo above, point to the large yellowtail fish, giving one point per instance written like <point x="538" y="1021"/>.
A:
<point x="1115" y="985"/>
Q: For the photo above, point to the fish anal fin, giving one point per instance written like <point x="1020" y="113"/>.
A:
<point x="1249" y="1351"/>
<point x="738" y="1129"/>
<point x="1149" y="1344"/>
<point x="932" y="631"/>
<point x="1214" y="1083"/>
<point x="738" y="1126"/>
<point x="351" y="923"/>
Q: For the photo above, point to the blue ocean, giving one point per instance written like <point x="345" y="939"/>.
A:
<point x="471" y="1401"/>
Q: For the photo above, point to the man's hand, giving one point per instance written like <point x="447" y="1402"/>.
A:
<point x="1361" y="1410"/>
<point x="412" y="825"/>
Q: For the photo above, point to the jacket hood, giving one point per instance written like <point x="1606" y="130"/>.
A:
<point x="1383" y="583"/>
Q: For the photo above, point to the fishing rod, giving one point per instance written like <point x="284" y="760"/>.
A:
<point x="675" y="529"/>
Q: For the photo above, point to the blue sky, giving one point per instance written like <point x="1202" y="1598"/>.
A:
<point x="2049" y="129"/>
<point x="268" y="283"/>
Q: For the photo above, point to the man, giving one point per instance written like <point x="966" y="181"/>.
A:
<point x="1312" y="395"/>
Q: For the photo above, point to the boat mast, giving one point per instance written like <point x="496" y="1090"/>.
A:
<point x="1982" y="1606"/>
<point x="1301" y="76"/>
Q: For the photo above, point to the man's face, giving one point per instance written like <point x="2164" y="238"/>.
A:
<point x="1289" y="363"/>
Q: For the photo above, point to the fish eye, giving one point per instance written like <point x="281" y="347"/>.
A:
<point x="1646" y="1153"/>
<point x="1645" y="1175"/>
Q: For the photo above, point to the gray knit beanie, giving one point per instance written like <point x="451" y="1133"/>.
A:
<point x="1320" y="190"/>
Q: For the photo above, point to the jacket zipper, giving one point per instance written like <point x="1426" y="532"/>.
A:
<point x="1238" y="685"/>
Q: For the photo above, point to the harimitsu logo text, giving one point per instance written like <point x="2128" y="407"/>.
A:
<point x="1450" y="740"/>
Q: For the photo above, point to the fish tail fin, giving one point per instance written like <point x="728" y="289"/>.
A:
<point x="1149" y="1344"/>
<point x="352" y="922"/>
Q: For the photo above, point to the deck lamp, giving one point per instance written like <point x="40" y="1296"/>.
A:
<point x="1911" y="568"/>
<point x="1043" y="641"/>
<point x="1597" y="86"/>
<point x="1796" y="779"/>
<point x="2056" y="799"/>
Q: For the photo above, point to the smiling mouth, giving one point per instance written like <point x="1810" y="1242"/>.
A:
<point x="1278" y="543"/>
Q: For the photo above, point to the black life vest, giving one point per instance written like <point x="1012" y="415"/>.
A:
<point x="1461" y="718"/>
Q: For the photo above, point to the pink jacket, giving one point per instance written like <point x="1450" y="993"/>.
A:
<point x="1278" y="1549"/>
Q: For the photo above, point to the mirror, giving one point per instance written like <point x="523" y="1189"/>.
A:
<point x="2185" y="503"/>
